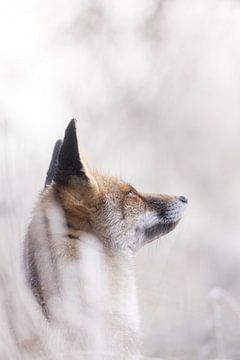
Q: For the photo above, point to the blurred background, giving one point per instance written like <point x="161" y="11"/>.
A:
<point x="156" y="88"/>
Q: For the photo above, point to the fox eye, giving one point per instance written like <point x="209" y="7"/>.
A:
<point x="131" y="193"/>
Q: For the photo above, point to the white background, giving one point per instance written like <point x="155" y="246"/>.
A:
<point x="156" y="88"/>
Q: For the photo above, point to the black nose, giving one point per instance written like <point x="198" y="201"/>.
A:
<point x="183" y="199"/>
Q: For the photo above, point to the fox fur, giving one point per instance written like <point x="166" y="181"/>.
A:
<point x="80" y="246"/>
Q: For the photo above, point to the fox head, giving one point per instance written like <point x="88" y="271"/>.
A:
<point x="113" y="210"/>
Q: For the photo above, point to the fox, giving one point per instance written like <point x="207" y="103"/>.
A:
<point x="80" y="247"/>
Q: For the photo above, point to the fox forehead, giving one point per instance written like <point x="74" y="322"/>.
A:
<point x="109" y="184"/>
<point x="104" y="188"/>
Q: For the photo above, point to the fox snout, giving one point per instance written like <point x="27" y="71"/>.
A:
<point x="168" y="208"/>
<point x="174" y="209"/>
<point x="171" y="211"/>
<point x="166" y="212"/>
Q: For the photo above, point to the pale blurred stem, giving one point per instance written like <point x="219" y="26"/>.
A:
<point x="216" y="296"/>
<point x="218" y="328"/>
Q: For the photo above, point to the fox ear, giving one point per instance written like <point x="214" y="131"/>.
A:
<point x="54" y="163"/>
<point x="70" y="163"/>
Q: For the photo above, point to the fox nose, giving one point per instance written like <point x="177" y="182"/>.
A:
<point x="183" y="199"/>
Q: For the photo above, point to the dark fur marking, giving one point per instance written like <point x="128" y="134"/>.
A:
<point x="72" y="227"/>
<point x="160" y="229"/>
<point x="35" y="283"/>
<point x="53" y="261"/>
<point x="71" y="236"/>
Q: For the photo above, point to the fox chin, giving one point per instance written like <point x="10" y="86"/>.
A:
<point x="79" y="249"/>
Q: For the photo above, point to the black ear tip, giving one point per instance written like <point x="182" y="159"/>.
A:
<point x="71" y="129"/>
<point x="72" y="124"/>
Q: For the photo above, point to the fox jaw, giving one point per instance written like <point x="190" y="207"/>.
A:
<point x="114" y="211"/>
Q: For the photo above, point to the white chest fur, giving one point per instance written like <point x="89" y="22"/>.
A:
<point x="98" y="298"/>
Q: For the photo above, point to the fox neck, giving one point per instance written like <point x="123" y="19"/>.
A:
<point x="77" y="280"/>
